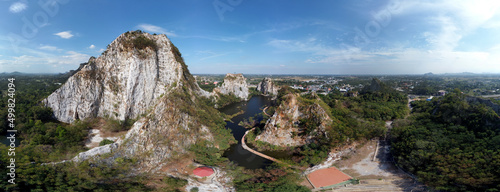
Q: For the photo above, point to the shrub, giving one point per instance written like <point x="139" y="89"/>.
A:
<point x="175" y="184"/>
<point x="105" y="142"/>
<point x="142" y="42"/>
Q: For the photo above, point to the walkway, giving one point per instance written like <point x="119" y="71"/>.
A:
<point x="264" y="110"/>
<point x="244" y="145"/>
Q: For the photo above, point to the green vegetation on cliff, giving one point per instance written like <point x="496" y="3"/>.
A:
<point x="226" y="99"/>
<point x="204" y="114"/>
<point x="353" y="119"/>
<point x="137" y="40"/>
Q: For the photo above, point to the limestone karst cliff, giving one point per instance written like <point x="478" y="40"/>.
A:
<point x="142" y="76"/>
<point x="267" y="87"/>
<point x="295" y="122"/>
<point x="123" y="83"/>
<point x="234" y="84"/>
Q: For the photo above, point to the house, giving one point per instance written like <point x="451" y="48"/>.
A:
<point x="441" y="92"/>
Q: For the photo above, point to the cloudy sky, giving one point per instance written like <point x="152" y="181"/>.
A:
<point x="262" y="36"/>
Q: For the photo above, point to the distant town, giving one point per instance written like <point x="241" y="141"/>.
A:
<point x="427" y="84"/>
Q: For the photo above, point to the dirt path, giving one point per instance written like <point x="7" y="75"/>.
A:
<point x="376" y="172"/>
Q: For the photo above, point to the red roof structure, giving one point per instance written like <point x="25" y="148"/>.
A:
<point x="327" y="177"/>
<point x="203" y="171"/>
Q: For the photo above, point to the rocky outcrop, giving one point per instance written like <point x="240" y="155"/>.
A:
<point x="123" y="83"/>
<point x="375" y="86"/>
<point x="487" y="102"/>
<point x="295" y="123"/>
<point x="167" y="131"/>
<point x="234" y="84"/>
<point x="140" y="76"/>
<point x="267" y="87"/>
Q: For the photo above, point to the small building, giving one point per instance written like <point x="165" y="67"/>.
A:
<point x="328" y="178"/>
<point x="352" y="94"/>
<point x="441" y="92"/>
<point x="203" y="171"/>
<point x="430" y="98"/>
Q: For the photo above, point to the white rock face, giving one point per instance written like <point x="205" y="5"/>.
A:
<point x="95" y="138"/>
<point x="165" y="131"/>
<point x="267" y="87"/>
<point x="122" y="83"/>
<point x="235" y="84"/>
<point x="95" y="152"/>
<point x="283" y="128"/>
<point x="127" y="82"/>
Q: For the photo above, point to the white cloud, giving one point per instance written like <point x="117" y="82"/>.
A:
<point x="450" y="21"/>
<point x="391" y="60"/>
<point x="64" y="34"/>
<point x="207" y="54"/>
<point x="92" y="47"/>
<point x="48" y="48"/>
<point x="309" y="45"/>
<point x="17" y="7"/>
<point x="73" y="57"/>
<point x="155" y="29"/>
<point x="39" y="61"/>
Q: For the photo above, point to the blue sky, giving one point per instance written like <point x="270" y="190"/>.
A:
<point x="261" y="36"/>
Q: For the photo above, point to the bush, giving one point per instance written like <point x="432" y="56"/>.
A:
<point x="114" y="125"/>
<point x="142" y="42"/>
<point x="225" y="100"/>
<point x="105" y="142"/>
<point x="175" y="184"/>
<point x="206" y="154"/>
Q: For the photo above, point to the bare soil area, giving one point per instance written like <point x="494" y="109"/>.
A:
<point x="375" y="170"/>
<point x="97" y="134"/>
<point x="360" y="163"/>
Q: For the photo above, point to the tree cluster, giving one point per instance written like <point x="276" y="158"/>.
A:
<point x="450" y="144"/>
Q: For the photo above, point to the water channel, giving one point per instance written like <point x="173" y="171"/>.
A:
<point x="236" y="153"/>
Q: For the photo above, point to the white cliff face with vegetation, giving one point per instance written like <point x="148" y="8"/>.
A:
<point x="267" y="87"/>
<point x="123" y="83"/>
<point x="141" y="76"/>
<point x="295" y="123"/>
<point x="234" y="84"/>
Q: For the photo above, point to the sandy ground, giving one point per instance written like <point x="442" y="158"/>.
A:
<point x="375" y="173"/>
<point x="95" y="137"/>
<point x="96" y="134"/>
<point x="360" y="163"/>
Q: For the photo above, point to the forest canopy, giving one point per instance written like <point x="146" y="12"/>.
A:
<point x="450" y="143"/>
